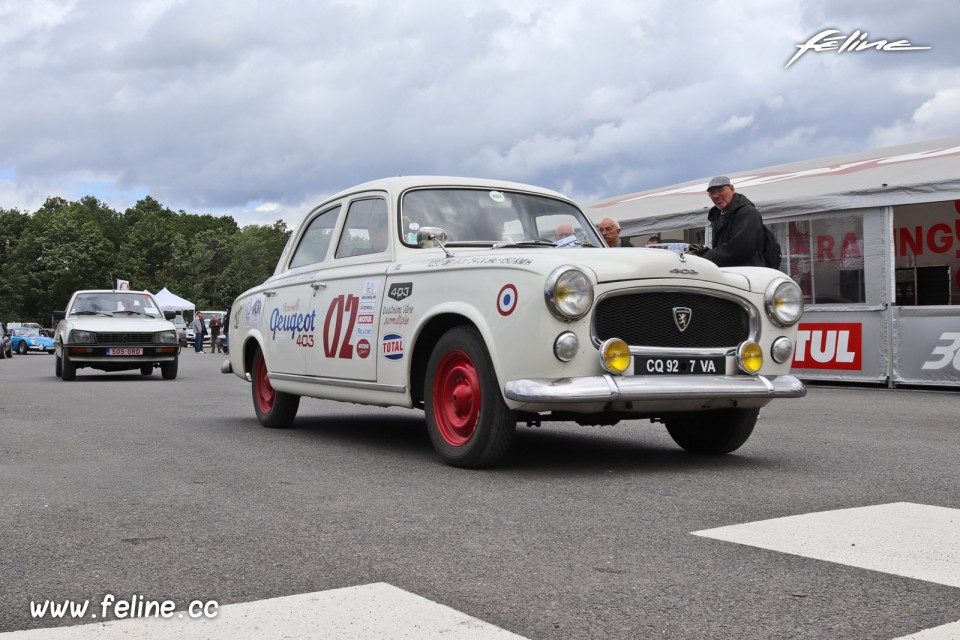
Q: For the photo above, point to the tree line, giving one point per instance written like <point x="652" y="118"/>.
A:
<point x="65" y="246"/>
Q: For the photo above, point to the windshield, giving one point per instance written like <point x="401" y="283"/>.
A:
<point x="114" y="303"/>
<point x="26" y="332"/>
<point x="488" y="217"/>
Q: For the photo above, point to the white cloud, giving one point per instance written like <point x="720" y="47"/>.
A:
<point x="209" y="106"/>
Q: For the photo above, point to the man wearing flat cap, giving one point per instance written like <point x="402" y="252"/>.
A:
<point x="737" y="227"/>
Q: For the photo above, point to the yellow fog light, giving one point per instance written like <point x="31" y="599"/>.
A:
<point x="750" y="357"/>
<point x="615" y="356"/>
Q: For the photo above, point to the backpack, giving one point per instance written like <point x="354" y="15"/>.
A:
<point x="770" y="250"/>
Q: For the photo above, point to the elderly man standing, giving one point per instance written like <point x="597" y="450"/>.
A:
<point x="737" y="227"/>
<point x="610" y="230"/>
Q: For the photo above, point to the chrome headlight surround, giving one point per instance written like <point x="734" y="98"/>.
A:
<point x="568" y="293"/>
<point x="166" y="337"/>
<point x="79" y="336"/>
<point x="783" y="300"/>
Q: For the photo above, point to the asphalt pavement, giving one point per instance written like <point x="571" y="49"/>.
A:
<point x="128" y="485"/>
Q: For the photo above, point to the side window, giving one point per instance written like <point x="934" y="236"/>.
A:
<point x="316" y="239"/>
<point x="365" y="230"/>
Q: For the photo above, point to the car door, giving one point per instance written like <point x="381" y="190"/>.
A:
<point x="350" y="292"/>
<point x="289" y="305"/>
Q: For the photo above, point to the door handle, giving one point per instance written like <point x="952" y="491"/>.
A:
<point x="269" y="294"/>
<point x="316" y="286"/>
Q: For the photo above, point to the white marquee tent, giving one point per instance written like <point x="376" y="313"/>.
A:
<point x="172" y="302"/>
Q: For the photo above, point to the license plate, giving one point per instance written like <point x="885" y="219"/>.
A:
<point x="686" y="365"/>
<point x="125" y="351"/>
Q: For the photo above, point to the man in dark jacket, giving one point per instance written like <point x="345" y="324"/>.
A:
<point x="737" y="227"/>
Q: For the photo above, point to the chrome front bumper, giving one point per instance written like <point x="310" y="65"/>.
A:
<point x="608" y="388"/>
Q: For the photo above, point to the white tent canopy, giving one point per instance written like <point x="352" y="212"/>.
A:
<point x="172" y="302"/>
<point x="921" y="172"/>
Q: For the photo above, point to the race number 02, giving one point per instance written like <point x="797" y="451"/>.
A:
<point x="341" y="307"/>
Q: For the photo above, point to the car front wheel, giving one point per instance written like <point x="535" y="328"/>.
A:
<point x="169" y="369"/>
<point x="714" y="432"/>
<point x="274" y="409"/>
<point x="469" y="423"/>
<point x="58" y="367"/>
<point x="68" y="370"/>
<point x="22" y="348"/>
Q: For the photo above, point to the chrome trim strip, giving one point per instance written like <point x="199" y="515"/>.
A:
<point x="627" y="388"/>
<point x="337" y="382"/>
<point x="752" y="312"/>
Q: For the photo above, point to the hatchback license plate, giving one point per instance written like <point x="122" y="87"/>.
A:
<point x="125" y="351"/>
<point x="650" y="366"/>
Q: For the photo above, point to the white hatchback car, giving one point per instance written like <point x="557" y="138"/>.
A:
<point x="487" y="303"/>
<point x="115" y="330"/>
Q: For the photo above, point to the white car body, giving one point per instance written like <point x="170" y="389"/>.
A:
<point x="115" y="330"/>
<point x="354" y="324"/>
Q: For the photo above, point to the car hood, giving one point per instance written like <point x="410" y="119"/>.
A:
<point x="608" y="265"/>
<point x="132" y="324"/>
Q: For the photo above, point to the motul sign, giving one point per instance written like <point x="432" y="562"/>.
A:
<point x="829" y="345"/>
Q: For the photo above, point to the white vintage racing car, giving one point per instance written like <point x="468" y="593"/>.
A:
<point x="486" y="303"/>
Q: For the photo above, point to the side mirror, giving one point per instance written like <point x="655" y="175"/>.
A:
<point x="59" y="315"/>
<point x="169" y="315"/>
<point x="431" y="237"/>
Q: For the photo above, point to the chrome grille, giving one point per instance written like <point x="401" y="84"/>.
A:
<point x="124" y="338"/>
<point x="646" y="319"/>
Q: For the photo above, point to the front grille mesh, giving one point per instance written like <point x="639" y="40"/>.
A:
<point x="124" y="338"/>
<point x="647" y="320"/>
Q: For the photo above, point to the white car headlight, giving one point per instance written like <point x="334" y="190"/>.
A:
<point x="568" y="293"/>
<point x="82" y="337"/>
<point x="166" y="337"/>
<point x="784" y="302"/>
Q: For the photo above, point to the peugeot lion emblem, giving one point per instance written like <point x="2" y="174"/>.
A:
<point x="681" y="317"/>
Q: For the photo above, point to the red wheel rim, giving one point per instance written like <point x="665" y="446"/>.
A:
<point x="263" y="390"/>
<point x="456" y="398"/>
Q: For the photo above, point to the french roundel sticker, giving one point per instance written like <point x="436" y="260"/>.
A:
<point x="507" y="300"/>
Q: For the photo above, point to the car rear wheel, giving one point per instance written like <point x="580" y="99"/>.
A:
<point x="69" y="370"/>
<point x="146" y="369"/>
<point x="274" y="409"/>
<point x="58" y="367"/>
<point x="22" y="348"/>
<point x="469" y="423"/>
<point x="169" y="369"/>
<point x="713" y="432"/>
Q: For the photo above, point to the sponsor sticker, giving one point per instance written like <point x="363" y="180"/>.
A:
<point x="400" y="290"/>
<point x="363" y="348"/>
<point x="828" y="345"/>
<point x="392" y="346"/>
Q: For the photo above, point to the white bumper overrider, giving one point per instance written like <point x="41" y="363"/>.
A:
<point x="608" y="388"/>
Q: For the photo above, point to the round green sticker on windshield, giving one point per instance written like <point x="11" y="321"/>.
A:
<point x="497" y="196"/>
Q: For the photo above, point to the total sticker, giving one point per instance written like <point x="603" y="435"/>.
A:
<point x="507" y="300"/>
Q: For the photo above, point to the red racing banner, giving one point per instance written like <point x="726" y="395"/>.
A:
<point x="829" y="345"/>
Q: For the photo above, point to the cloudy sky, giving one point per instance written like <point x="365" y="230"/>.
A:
<point x="260" y="108"/>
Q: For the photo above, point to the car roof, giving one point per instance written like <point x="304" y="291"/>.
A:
<point x="398" y="184"/>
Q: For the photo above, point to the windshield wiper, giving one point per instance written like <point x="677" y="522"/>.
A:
<point x="524" y="243"/>
<point x="130" y="313"/>
<point x="90" y="313"/>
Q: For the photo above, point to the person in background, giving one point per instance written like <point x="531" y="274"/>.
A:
<point x="226" y="330"/>
<point x="610" y="230"/>
<point x="653" y="240"/>
<point x="198" y="330"/>
<point x="737" y="227"/>
<point x="215" y="325"/>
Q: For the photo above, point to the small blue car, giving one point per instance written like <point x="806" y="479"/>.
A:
<point x="26" y="339"/>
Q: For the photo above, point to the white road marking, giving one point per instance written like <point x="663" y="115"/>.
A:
<point x="912" y="540"/>
<point x="365" y="612"/>
<point x="905" y="539"/>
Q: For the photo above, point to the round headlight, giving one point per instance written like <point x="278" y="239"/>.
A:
<point x="749" y="357"/>
<point x="568" y="292"/>
<point x="784" y="302"/>
<point x="781" y="350"/>
<point x="615" y="356"/>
